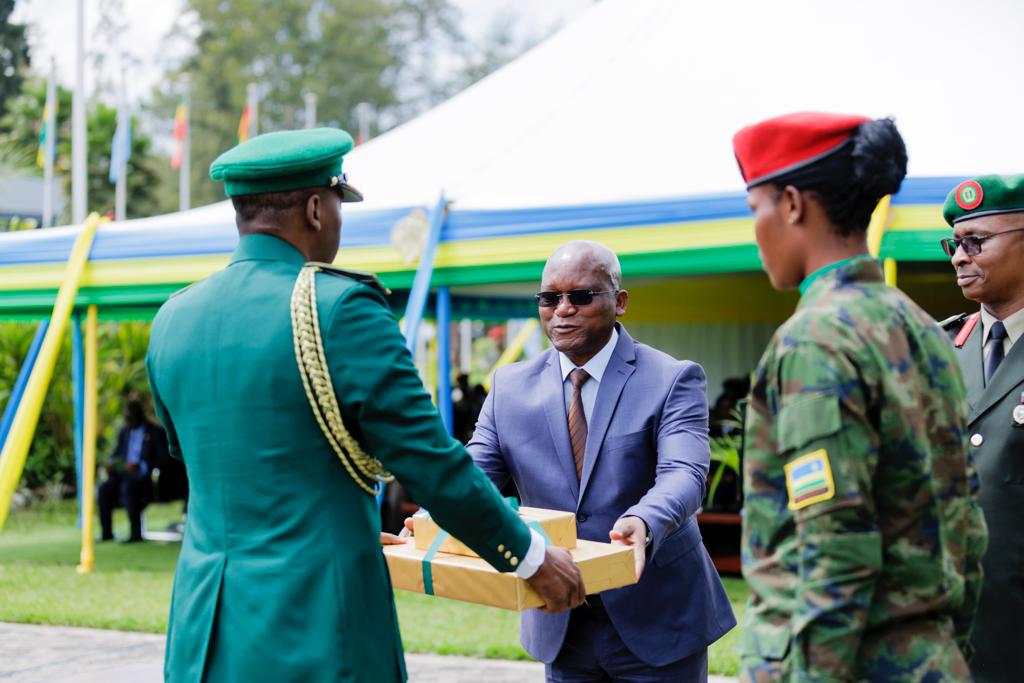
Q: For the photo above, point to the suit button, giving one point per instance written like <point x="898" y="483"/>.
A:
<point x="501" y="548"/>
<point x="514" y="561"/>
<point x="508" y="554"/>
<point x="977" y="439"/>
<point x="583" y="516"/>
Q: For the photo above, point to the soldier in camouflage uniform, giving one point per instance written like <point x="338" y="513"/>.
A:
<point x="862" y="537"/>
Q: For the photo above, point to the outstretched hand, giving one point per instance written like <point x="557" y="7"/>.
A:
<point x="558" y="581"/>
<point x="632" y="531"/>
<point x="390" y="539"/>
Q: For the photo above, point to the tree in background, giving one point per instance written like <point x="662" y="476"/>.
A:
<point x="14" y="55"/>
<point x="143" y="181"/>
<point x="19" y="135"/>
<point x="345" y="51"/>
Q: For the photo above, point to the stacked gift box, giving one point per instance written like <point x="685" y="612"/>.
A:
<point x="445" y="567"/>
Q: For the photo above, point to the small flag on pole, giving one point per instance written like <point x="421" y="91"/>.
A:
<point x="180" y="132"/>
<point x="121" y="146"/>
<point x="243" y="125"/>
<point x="44" y="134"/>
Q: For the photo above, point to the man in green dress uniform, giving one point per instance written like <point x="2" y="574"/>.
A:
<point x="987" y="251"/>
<point x="287" y="389"/>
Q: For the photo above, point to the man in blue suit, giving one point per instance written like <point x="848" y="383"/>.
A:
<point x="616" y="432"/>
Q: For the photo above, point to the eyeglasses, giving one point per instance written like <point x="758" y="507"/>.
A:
<point x="970" y="243"/>
<point x="577" y="297"/>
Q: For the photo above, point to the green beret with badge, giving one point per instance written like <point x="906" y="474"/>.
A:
<point x="287" y="160"/>
<point x="985" y="195"/>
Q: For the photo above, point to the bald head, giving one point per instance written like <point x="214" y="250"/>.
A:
<point x="589" y="255"/>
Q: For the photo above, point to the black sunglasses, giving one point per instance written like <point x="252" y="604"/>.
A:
<point x="970" y="243"/>
<point x="577" y="297"/>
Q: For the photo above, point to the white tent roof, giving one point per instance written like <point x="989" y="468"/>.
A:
<point x="639" y="99"/>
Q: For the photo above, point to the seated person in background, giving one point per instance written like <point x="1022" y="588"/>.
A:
<point x="723" y="422"/>
<point x="140" y="444"/>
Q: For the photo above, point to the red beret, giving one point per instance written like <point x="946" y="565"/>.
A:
<point x="776" y="146"/>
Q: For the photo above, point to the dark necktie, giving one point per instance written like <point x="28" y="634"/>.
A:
<point x="578" y="419"/>
<point x="995" y="355"/>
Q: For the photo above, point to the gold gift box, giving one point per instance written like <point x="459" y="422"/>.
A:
<point x="603" y="566"/>
<point x="559" y="526"/>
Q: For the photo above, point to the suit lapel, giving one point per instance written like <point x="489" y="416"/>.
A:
<point x="620" y="367"/>
<point x="1009" y="375"/>
<point x="972" y="364"/>
<point x="554" y="411"/>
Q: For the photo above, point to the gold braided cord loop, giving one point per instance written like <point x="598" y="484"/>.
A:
<point x="364" y="469"/>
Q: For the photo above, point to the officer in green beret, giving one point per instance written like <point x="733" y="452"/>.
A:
<point x="285" y="385"/>
<point x="987" y="251"/>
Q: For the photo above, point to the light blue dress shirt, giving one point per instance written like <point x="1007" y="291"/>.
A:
<point x="595" y="367"/>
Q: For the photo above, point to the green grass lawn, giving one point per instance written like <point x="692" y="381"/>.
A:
<point x="130" y="589"/>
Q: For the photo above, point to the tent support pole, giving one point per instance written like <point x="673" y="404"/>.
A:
<point x="19" y="384"/>
<point x="421" y="283"/>
<point x="78" y="400"/>
<point x="15" y="450"/>
<point x="92" y="346"/>
<point x="444" y="355"/>
<point x="876" y="227"/>
<point x="889" y="266"/>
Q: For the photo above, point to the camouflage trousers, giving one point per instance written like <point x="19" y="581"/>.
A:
<point x="916" y="651"/>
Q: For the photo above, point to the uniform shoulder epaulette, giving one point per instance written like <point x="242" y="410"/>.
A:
<point x="365" y="278"/>
<point x="186" y="288"/>
<point x="959" y="327"/>
<point x="181" y="291"/>
<point x="953" y="321"/>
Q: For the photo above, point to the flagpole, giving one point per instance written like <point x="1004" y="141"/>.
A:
<point x="184" y="178"/>
<point x="364" y="111"/>
<point x="79" y="148"/>
<point x="310" y="98"/>
<point x="120" y="157"/>
<point x="253" y="101"/>
<point x="50" y="142"/>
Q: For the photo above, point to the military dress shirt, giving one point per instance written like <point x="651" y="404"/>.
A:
<point x="1014" y="324"/>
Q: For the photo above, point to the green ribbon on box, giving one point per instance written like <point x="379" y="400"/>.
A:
<point x="428" y="577"/>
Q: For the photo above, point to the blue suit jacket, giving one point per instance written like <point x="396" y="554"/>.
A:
<point x="646" y="455"/>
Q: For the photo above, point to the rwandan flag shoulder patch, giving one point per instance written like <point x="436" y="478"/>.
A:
<point x="809" y="480"/>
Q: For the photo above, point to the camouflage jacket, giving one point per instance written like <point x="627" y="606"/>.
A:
<point x="861" y="522"/>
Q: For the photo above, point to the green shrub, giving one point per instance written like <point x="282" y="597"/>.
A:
<point x="122" y="370"/>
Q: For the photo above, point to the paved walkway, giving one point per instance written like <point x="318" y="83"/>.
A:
<point x="56" y="654"/>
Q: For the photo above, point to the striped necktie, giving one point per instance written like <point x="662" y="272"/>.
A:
<point x="578" y="419"/>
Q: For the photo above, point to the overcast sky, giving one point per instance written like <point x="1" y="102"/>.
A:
<point x="52" y="34"/>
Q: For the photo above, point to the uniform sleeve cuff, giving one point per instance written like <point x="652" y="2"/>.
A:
<point x="534" y="556"/>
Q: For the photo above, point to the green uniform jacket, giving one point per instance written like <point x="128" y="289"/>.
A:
<point x="879" y="578"/>
<point x="281" y="575"/>
<point x="998" y="639"/>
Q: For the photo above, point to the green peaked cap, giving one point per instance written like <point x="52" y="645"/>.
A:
<point x="984" y="196"/>
<point x="286" y="160"/>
